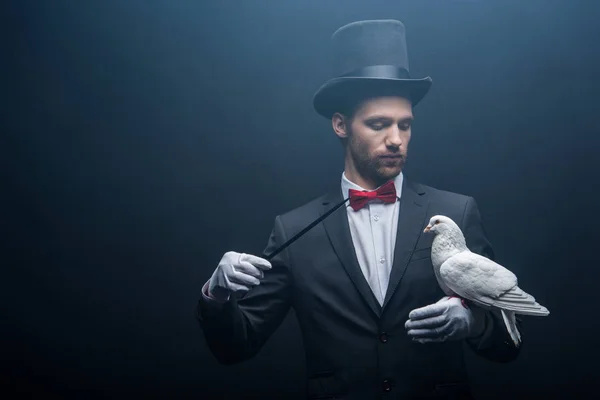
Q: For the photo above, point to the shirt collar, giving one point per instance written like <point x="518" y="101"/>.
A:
<point x="347" y="184"/>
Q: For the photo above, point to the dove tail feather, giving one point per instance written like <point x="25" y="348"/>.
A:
<point x="535" y="310"/>
<point x="520" y="302"/>
<point x="511" y="326"/>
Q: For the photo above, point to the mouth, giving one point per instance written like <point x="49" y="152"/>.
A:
<point x="391" y="161"/>
<point x="427" y="229"/>
<point x="391" y="156"/>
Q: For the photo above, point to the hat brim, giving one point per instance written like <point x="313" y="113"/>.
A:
<point x="338" y="93"/>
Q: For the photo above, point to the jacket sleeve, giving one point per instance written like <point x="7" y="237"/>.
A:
<point x="236" y="330"/>
<point x="494" y="343"/>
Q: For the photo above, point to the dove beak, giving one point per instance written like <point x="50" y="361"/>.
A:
<point x="427" y="228"/>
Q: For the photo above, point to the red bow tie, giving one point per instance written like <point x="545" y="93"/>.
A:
<point x="359" y="199"/>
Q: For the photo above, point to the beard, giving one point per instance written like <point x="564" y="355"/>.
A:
<point x="372" y="166"/>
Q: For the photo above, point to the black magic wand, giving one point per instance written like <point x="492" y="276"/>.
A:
<point x="242" y="294"/>
<point x="385" y="192"/>
<point x="303" y="231"/>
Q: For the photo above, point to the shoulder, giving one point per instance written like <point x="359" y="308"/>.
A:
<point x="300" y="216"/>
<point x="447" y="202"/>
<point x="441" y="195"/>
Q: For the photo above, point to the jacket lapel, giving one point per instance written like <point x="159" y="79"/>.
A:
<point x="338" y="231"/>
<point x="411" y="222"/>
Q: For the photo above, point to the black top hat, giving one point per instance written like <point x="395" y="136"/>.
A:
<point x="369" y="59"/>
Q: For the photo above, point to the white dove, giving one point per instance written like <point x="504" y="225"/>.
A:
<point x="471" y="276"/>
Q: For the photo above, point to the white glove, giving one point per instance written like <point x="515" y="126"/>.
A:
<point x="236" y="272"/>
<point x="448" y="319"/>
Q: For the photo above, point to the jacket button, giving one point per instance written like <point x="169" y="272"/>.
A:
<point x="386" y="385"/>
<point x="383" y="337"/>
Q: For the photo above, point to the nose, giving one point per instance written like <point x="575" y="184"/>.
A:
<point x="394" y="138"/>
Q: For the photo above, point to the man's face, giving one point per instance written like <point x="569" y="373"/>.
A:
<point x="377" y="138"/>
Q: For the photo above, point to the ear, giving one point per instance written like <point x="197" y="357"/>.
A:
<point x="339" y="124"/>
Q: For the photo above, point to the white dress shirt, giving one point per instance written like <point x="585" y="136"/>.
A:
<point x="373" y="230"/>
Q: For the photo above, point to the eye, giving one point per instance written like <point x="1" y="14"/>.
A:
<point x="378" y="123"/>
<point x="377" y="127"/>
<point x="437" y="221"/>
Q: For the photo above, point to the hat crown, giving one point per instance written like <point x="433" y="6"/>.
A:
<point x="369" y="59"/>
<point x="367" y="43"/>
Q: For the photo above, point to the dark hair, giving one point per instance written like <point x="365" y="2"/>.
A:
<point x="353" y="96"/>
<point x="349" y="109"/>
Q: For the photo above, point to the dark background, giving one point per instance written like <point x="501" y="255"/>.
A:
<point x="143" y="139"/>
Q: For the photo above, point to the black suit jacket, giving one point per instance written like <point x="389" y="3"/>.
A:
<point x="355" y="348"/>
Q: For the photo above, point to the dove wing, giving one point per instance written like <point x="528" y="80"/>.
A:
<point x="487" y="283"/>
<point x="477" y="278"/>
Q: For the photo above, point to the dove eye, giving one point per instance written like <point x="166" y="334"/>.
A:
<point x="437" y="221"/>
